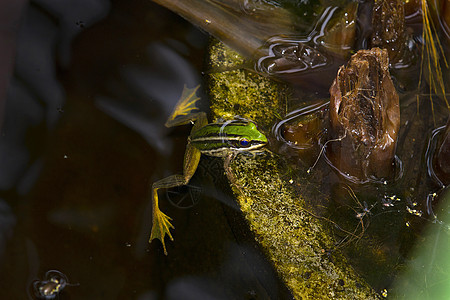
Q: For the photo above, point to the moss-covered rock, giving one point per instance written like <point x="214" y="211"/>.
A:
<point x="235" y="91"/>
<point x="295" y="240"/>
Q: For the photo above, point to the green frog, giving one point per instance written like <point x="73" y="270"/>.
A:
<point x="222" y="139"/>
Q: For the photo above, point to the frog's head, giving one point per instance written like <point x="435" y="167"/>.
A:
<point x="218" y="139"/>
<point x="244" y="136"/>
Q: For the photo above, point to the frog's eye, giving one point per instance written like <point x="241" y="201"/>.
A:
<point x="243" y="142"/>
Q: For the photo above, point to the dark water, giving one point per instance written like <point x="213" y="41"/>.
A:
<point x="83" y="139"/>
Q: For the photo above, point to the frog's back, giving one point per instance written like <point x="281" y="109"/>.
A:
<point x="219" y="139"/>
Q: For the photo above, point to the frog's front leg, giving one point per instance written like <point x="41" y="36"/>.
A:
<point x="227" y="166"/>
<point x="161" y="222"/>
<point x="228" y="172"/>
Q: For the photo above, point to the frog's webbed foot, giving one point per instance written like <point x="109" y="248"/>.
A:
<point x="183" y="113"/>
<point x="161" y="226"/>
<point x="161" y="222"/>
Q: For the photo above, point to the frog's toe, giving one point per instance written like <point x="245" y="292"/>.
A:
<point x="161" y="226"/>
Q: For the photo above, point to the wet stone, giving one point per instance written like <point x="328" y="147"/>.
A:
<point x="388" y="25"/>
<point x="442" y="157"/>
<point x="365" y="118"/>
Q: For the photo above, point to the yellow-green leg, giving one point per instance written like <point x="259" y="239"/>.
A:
<point x="161" y="222"/>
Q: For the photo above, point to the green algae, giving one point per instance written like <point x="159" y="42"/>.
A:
<point x="295" y="241"/>
<point x="242" y="92"/>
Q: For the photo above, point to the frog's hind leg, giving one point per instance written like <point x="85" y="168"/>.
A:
<point x="184" y="111"/>
<point x="161" y="222"/>
<point x="200" y="121"/>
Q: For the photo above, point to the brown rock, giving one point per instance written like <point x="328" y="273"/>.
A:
<point x="365" y="118"/>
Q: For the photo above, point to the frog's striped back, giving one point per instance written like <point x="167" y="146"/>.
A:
<point x="219" y="139"/>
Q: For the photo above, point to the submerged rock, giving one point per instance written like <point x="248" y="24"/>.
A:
<point x="388" y="28"/>
<point x="365" y="118"/>
<point x="442" y="157"/>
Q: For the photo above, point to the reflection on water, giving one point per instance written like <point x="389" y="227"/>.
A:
<point x="83" y="139"/>
<point x="156" y="89"/>
<point x="293" y="55"/>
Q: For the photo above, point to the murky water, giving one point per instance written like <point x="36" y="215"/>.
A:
<point x="84" y="138"/>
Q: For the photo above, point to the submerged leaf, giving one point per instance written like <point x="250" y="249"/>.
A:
<point x="243" y="25"/>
